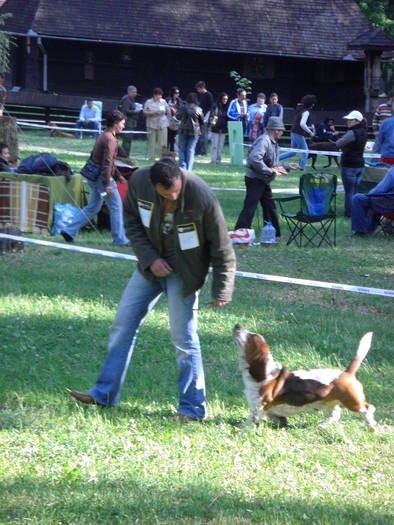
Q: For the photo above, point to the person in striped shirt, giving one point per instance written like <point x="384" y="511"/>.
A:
<point x="382" y="112"/>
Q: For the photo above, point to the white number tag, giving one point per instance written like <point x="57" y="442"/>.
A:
<point x="188" y="236"/>
<point x="145" y="209"/>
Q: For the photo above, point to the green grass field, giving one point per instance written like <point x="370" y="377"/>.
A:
<point x="63" y="463"/>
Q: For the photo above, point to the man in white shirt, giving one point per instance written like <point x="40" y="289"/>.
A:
<point x="89" y="118"/>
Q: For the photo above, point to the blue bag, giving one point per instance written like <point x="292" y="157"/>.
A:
<point x="63" y="214"/>
<point x="91" y="170"/>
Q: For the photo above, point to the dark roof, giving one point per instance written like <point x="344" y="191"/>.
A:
<point x="302" y="28"/>
<point x="372" y="39"/>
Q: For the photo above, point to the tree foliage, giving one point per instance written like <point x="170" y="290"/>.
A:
<point x="380" y="13"/>
<point x="242" y="82"/>
<point x="6" y="42"/>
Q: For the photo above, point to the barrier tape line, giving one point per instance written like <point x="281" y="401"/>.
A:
<point x="315" y="152"/>
<point x="259" y="276"/>
<point x="83" y="130"/>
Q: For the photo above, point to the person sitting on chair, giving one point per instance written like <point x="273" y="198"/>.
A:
<point x="89" y="118"/>
<point x="365" y="217"/>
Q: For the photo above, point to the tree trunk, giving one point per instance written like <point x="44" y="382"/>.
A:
<point x="9" y="136"/>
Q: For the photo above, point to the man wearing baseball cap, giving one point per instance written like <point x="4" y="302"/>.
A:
<point x="262" y="166"/>
<point x="352" y="145"/>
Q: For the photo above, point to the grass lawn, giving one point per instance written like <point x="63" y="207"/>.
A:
<point x="63" y="463"/>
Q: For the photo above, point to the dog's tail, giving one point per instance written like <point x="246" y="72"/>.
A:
<point x="362" y="351"/>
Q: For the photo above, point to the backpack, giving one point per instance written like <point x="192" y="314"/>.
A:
<point x="47" y="164"/>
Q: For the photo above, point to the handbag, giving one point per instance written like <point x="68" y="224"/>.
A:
<point x="91" y="170"/>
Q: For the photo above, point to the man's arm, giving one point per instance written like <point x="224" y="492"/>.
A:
<point x="82" y="112"/>
<point x="257" y="161"/>
<point x="222" y="256"/>
<point x="232" y="111"/>
<point x="135" y="230"/>
<point x="379" y="139"/>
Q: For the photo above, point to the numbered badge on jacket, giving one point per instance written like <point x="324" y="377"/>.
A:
<point x="188" y="236"/>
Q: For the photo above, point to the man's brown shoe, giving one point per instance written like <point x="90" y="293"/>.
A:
<point x="83" y="397"/>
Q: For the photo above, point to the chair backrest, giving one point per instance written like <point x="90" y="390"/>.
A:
<point x="317" y="192"/>
<point x="370" y="178"/>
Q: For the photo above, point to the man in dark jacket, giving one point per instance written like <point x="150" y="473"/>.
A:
<point x="177" y="229"/>
<point x="129" y="107"/>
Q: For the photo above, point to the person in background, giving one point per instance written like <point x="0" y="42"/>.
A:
<point x="301" y="128"/>
<point x="383" y="112"/>
<point x="238" y="108"/>
<point x="177" y="230"/>
<point x="104" y="188"/>
<point x="256" y="117"/>
<point x="157" y="113"/>
<point x="352" y="145"/>
<point x="5" y="158"/>
<point x="174" y="102"/>
<point x="89" y="118"/>
<point x="262" y="166"/>
<point x="191" y="120"/>
<point x="218" y="125"/>
<point x="364" y="217"/>
<point x="129" y="107"/>
<point x="384" y="143"/>
<point x="274" y="109"/>
<point x="205" y="101"/>
<point x="326" y="131"/>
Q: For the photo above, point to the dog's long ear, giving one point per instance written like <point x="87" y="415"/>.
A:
<point x="257" y="357"/>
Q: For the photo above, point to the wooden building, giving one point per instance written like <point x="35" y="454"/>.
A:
<point x="98" y="47"/>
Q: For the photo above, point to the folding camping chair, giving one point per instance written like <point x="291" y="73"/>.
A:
<point x="316" y="212"/>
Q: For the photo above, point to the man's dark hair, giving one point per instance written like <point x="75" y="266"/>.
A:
<point x="158" y="91"/>
<point x="240" y="90"/>
<point x="273" y="94"/>
<point x="200" y="85"/>
<point x="89" y="100"/>
<point x="165" y="172"/>
<point x="192" y="98"/>
<point x="3" y="145"/>
<point x="114" y="117"/>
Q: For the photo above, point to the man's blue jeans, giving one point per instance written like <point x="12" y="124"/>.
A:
<point x="114" y="204"/>
<point x="297" y="142"/>
<point x="186" y="149"/>
<point x="138" y="299"/>
<point x="351" y="178"/>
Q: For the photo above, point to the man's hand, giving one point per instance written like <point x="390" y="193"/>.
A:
<point x="280" y="170"/>
<point x="109" y="190"/>
<point x="217" y="303"/>
<point x="294" y="166"/>
<point x="121" y="179"/>
<point x="160" y="268"/>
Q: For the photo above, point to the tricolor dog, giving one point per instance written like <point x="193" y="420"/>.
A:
<point x="274" y="391"/>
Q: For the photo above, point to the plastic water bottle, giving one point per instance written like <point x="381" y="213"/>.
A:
<point x="268" y="234"/>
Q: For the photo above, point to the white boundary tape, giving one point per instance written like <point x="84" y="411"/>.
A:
<point x="83" y="130"/>
<point x="259" y="276"/>
<point x="315" y="152"/>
